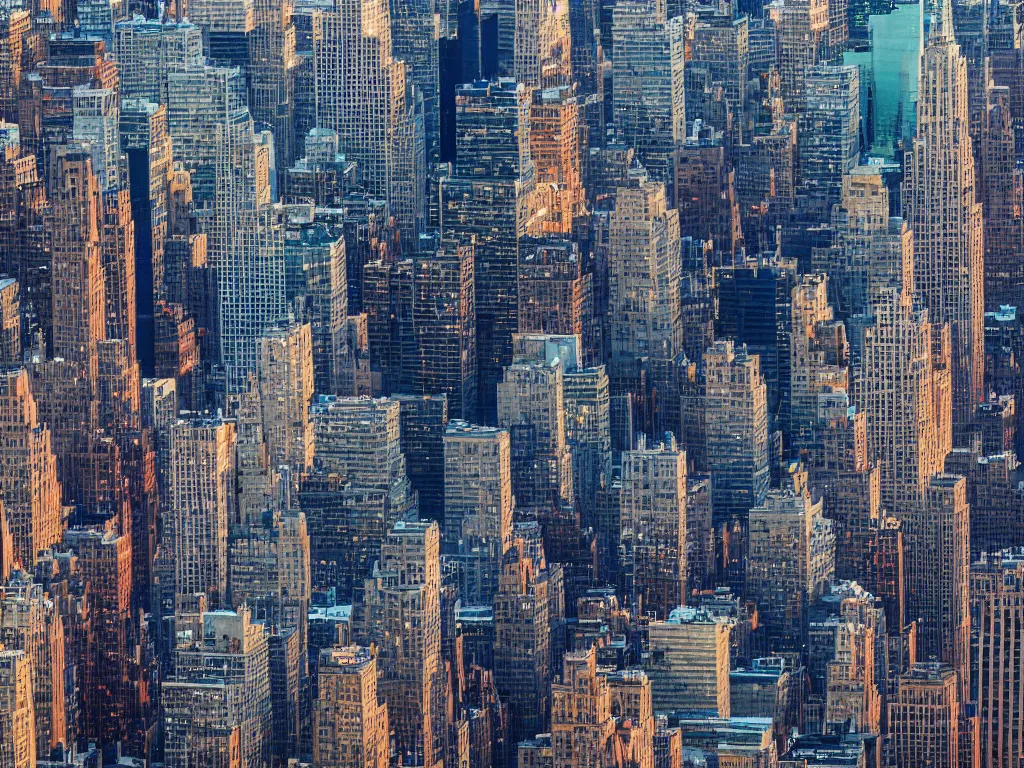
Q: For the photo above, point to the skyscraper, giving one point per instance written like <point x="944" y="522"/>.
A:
<point x="271" y="70"/>
<point x="652" y="514"/>
<point x="350" y="720"/>
<point x="643" y="278"/>
<point x="17" y="717"/>
<point x="555" y="294"/>
<point x="736" y="435"/>
<point x="791" y="557"/>
<point x="359" y="439"/>
<point x="996" y="622"/>
<point x="478" y="501"/>
<point x="556" y="128"/>
<point x="531" y="406"/>
<point x="648" y="104"/>
<point x="316" y="264"/>
<point x="79" y="312"/>
<point x="592" y="712"/>
<point x="414" y="42"/>
<point x="424" y="419"/>
<point x="871" y="251"/>
<point x="939" y="197"/>
<point x="147" y="144"/>
<point x="937" y="573"/>
<point x="202" y="506"/>
<point x="924" y="719"/>
<point x="901" y="384"/>
<point x="147" y="50"/>
<point x="286" y="389"/>
<point x="219" y="700"/>
<point x="404" y="592"/>
<point x="828" y="133"/>
<point x="527" y="590"/>
<point x="444" y="327"/>
<point x="111" y="697"/>
<point x="30" y="622"/>
<point x="29" y="485"/>
<point x="489" y="196"/>
<point x="802" y="26"/>
<point x="998" y="185"/>
<point x="363" y="92"/>
<point x="688" y="663"/>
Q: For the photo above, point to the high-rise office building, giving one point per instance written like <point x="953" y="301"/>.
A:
<point x="648" y="104"/>
<point x="993" y="496"/>
<point x="414" y="42"/>
<point x="350" y="721"/>
<point x="591" y="709"/>
<point x="643" y="278"/>
<point x="755" y="310"/>
<point x="801" y="27"/>
<point x="363" y="92"/>
<point x="202" y="505"/>
<point x="721" y="44"/>
<point x="652" y="516"/>
<point x="489" y="197"/>
<point x="147" y="145"/>
<point x="531" y="406"/>
<point x="554" y="291"/>
<point x="424" y="419"/>
<point x="828" y="134"/>
<point x="705" y="193"/>
<point x="736" y="431"/>
<point x="588" y="431"/>
<point x="791" y="557"/>
<point x="246" y="251"/>
<point x="147" y="50"/>
<point x="14" y="27"/>
<point x="688" y="663"/>
<point x="271" y="70"/>
<point x="286" y="389"/>
<point x="528" y="589"/>
<point x="111" y="696"/>
<point x="444" y="327"/>
<point x="359" y="438"/>
<point x="316" y="275"/>
<point x="17" y="717"/>
<point x="871" y="251"/>
<point x="555" y="145"/>
<point x="541" y="44"/>
<point x="998" y="185"/>
<point x="203" y="103"/>
<point x="938" y="573"/>
<point x="346" y="525"/>
<point x="29" y="485"/>
<point x="817" y="362"/>
<point x="924" y="718"/>
<point x="30" y="622"/>
<point x="227" y="26"/>
<point x="996" y="623"/>
<point x="939" y="197"/>
<point x="478" y="502"/>
<point x="909" y="433"/>
<point x="404" y="591"/>
<point x="219" y="699"/>
<point x="901" y="382"/>
<point x="79" y="312"/>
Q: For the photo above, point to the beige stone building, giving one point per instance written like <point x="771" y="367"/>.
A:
<point x="350" y="721"/>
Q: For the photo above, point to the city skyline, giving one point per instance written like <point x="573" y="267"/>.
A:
<point x="511" y="383"/>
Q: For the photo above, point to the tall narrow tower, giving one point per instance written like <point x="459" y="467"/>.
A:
<point x="939" y="200"/>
